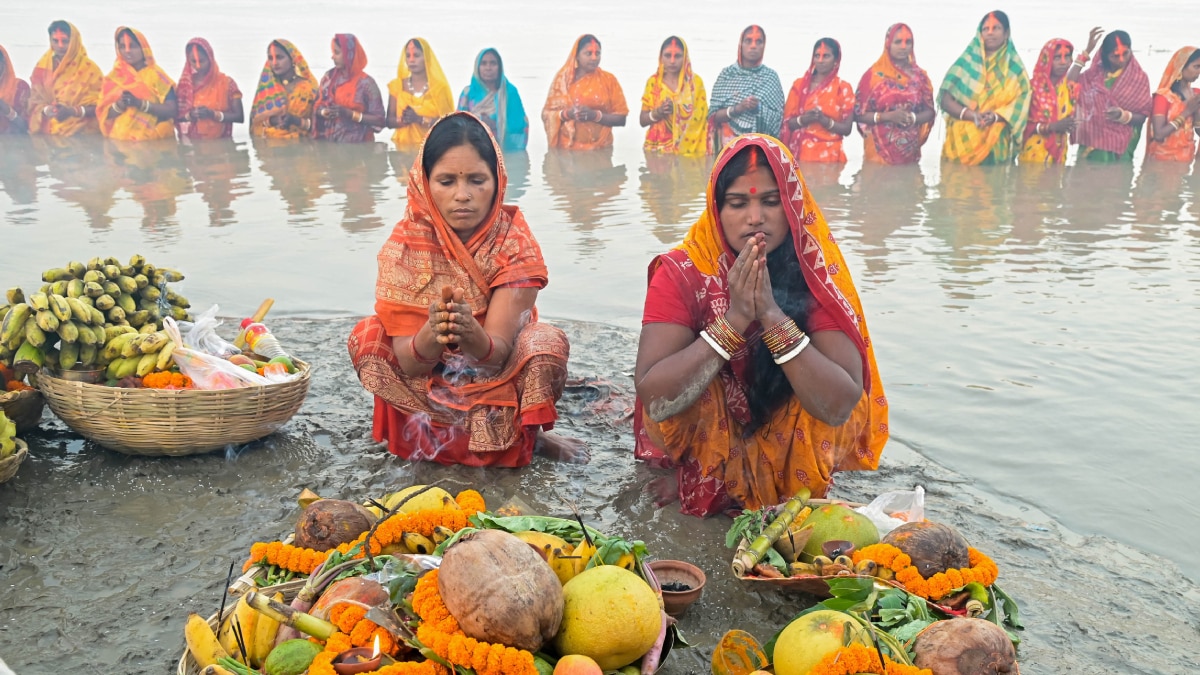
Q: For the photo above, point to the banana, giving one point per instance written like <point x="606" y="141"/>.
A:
<point x="244" y="616"/>
<point x="116" y="344"/>
<point x="111" y="332"/>
<point x="142" y="281"/>
<point x="417" y="543"/>
<point x="93" y="277"/>
<point x="146" y="364"/>
<point x="177" y="300"/>
<point x="202" y="642"/>
<point x="86" y="300"/>
<point x="820" y="562"/>
<point x="88" y="354"/>
<point x="105" y="303"/>
<point x="14" y="343"/>
<point x="93" y="289"/>
<point x="86" y="335"/>
<point x="15" y="296"/>
<point x="57" y="274"/>
<point x="4" y="310"/>
<point x="583" y="555"/>
<point x="112" y="261"/>
<point x="149" y="270"/>
<point x="79" y="311"/>
<point x="138" y="318"/>
<point x="116" y="315"/>
<point x="68" y="355"/>
<point x="76" y="268"/>
<point x="110" y="372"/>
<point x="172" y="276"/>
<point x="801" y="569"/>
<point x="111" y="288"/>
<point x="264" y="637"/>
<point x="111" y="271"/>
<point x="128" y="367"/>
<point x="34" y="335"/>
<point x="885" y="573"/>
<point x="151" y="293"/>
<point x="127" y="284"/>
<point x="130" y="348"/>
<point x="137" y="260"/>
<point x="47" y="321"/>
<point x="58" y="288"/>
<point x="68" y="331"/>
<point x="126" y="302"/>
<point x="74" y="288"/>
<point x="127" y="271"/>
<point x="164" y="361"/>
<point x="58" y="305"/>
<point x="152" y="342"/>
<point x="844" y="561"/>
<point x="14" y="321"/>
<point x="180" y="314"/>
<point x="28" y="359"/>
<point x="51" y="356"/>
<point x="95" y="263"/>
<point x="148" y="327"/>
<point x="441" y="533"/>
<point x="867" y="568"/>
<point x="39" y="301"/>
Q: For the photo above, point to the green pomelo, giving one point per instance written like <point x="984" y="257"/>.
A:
<point x="835" y="522"/>
<point x="814" y="636"/>
<point x="291" y="658"/>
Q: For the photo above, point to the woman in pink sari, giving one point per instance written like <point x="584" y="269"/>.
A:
<point x="894" y="103"/>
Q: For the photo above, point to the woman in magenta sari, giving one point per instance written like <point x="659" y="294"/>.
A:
<point x="349" y="108"/>
<point x="894" y="103"/>
<point x="1114" y="102"/>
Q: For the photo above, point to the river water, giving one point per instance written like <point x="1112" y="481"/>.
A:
<point x="1030" y="324"/>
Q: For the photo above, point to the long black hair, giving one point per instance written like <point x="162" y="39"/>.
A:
<point x="1109" y="45"/>
<point x="59" y="25"/>
<point x="586" y="40"/>
<point x="832" y="45"/>
<point x="768" y="388"/>
<point x="454" y="131"/>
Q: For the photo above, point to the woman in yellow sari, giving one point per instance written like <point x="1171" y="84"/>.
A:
<point x="419" y="96"/>
<point x="14" y="98"/>
<point x="1052" y="111"/>
<point x="286" y="94"/>
<point x="755" y="372"/>
<point x="985" y="97"/>
<point x="584" y="103"/>
<point x="674" y="104"/>
<point x="65" y="86"/>
<point x="137" y="99"/>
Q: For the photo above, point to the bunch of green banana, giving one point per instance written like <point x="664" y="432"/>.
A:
<point x="80" y="310"/>
<point x="8" y="436"/>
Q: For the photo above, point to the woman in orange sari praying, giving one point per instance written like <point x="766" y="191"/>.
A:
<point x="286" y="94"/>
<point x="674" y="105"/>
<point x="419" y="95"/>
<point x="65" y="86"/>
<point x="210" y="102"/>
<point x="584" y="102"/>
<point x="137" y="99"/>
<point x="894" y="102"/>
<point x="819" y="111"/>
<point x="1052" y="107"/>
<point x="14" y="98"/>
<point x="461" y="369"/>
<point x="349" y="108"/>
<point x="1175" y="122"/>
<point x="755" y="373"/>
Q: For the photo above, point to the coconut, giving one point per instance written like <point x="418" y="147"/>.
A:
<point x="836" y="522"/>
<point x="500" y="590"/>
<point x="329" y="523"/>
<point x="933" y="547"/>
<point x="965" y="647"/>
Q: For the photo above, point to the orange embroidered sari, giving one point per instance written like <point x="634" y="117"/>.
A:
<point x="74" y="82"/>
<point x="457" y="414"/>
<point x="150" y="83"/>
<point x="1180" y="146"/>
<point x="215" y="91"/>
<point x="835" y="98"/>
<point x="597" y="90"/>
<point x="718" y="465"/>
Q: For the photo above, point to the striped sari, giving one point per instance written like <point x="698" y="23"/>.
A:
<point x="1101" y="140"/>
<point x="984" y="82"/>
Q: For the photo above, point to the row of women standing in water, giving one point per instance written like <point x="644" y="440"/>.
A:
<point x="994" y="110"/>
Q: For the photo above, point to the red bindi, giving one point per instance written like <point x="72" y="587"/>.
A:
<point x="753" y="190"/>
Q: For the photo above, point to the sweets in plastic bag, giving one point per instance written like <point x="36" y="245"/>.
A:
<point x="208" y="371"/>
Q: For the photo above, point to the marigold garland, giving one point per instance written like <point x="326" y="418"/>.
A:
<point x="860" y="659"/>
<point x="439" y="631"/>
<point x="355" y="630"/>
<point x="983" y="571"/>
<point x="305" y="560"/>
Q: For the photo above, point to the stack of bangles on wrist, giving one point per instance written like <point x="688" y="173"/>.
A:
<point x="785" y="340"/>
<point x="723" y="338"/>
<point x="1126" y="117"/>
<point x="1082" y="59"/>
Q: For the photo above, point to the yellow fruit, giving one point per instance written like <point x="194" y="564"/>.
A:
<point x="246" y="617"/>
<point x="417" y="543"/>
<point x="433" y="499"/>
<point x="202" y="642"/>
<point x="812" y="637"/>
<point x="611" y="615"/>
<point x="583" y="555"/>
<point x="264" y="636"/>
<point x="553" y="549"/>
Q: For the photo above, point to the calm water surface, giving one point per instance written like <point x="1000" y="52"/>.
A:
<point x="1032" y="326"/>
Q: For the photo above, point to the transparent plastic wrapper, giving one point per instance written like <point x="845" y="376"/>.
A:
<point x="405" y="563"/>
<point x="893" y="509"/>
<point x="208" y="371"/>
<point x="201" y="335"/>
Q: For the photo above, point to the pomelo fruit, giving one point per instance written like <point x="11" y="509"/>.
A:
<point x="833" y="522"/>
<point x="433" y="499"/>
<point x="810" y="638"/>
<point x="291" y="658"/>
<point x="610" y="614"/>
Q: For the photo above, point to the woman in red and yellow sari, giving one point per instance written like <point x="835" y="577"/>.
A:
<point x="286" y="94"/>
<point x="461" y="370"/>
<point x="819" y="111"/>
<point x="894" y="102"/>
<point x="755" y="372"/>
<point x="1175" y="122"/>
<point x="674" y="105"/>
<point x="66" y="85"/>
<point x="1052" y="109"/>
<point x="584" y="102"/>
<point x="350" y="107"/>
<point x="14" y="98"/>
<point x="137" y="99"/>
<point x="419" y="96"/>
<point x="210" y="102"/>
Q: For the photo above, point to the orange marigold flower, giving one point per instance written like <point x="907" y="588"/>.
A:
<point x="983" y="570"/>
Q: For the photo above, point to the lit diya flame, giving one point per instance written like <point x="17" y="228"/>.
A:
<point x="375" y="654"/>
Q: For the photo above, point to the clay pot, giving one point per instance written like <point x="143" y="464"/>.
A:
<point x="668" y="571"/>
<point x="356" y="660"/>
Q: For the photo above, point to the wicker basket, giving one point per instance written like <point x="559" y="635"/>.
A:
<point x="10" y="464"/>
<point x="188" y="665"/>
<point x="163" y="422"/>
<point x="24" y="408"/>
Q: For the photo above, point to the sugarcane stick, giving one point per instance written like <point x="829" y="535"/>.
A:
<point x="305" y="623"/>
<point x="746" y="559"/>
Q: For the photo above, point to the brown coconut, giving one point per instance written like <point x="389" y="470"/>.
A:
<point x="933" y="547"/>
<point x="500" y="590"/>
<point x="369" y="592"/>
<point x="329" y="523"/>
<point x="965" y="647"/>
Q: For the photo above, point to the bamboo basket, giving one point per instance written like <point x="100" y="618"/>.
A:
<point x="10" y="464"/>
<point x="173" y="423"/>
<point x="24" y="408"/>
<point x="188" y="665"/>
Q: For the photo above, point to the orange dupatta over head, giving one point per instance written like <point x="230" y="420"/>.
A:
<point x="8" y="79"/>
<point x="75" y="82"/>
<point x="342" y="87"/>
<point x="1180" y="146"/>
<point x="150" y="83"/>
<point x="211" y="91"/>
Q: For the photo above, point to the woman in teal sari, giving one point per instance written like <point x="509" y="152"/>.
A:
<point x="493" y="99"/>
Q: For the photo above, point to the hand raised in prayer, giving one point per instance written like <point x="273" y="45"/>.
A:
<point x="743" y="278"/>
<point x="1192" y="105"/>
<point x="813" y="116"/>
<point x="664" y="111"/>
<point x="750" y="104"/>
<point x="452" y="320"/>
<point x="128" y="100"/>
<point x="586" y="114"/>
<point x="1114" y="114"/>
<point x="201" y="113"/>
<point x="767" y="311"/>
<point x="409" y="116"/>
<point x="61" y="112"/>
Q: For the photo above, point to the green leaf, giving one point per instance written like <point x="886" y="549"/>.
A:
<point x="1008" y="606"/>
<point x="909" y="630"/>
<point x="746" y="526"/>
<point x="892" y="617"/>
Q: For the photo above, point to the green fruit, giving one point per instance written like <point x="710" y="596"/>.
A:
<point x="111" y="288"/>
<point x="142" y="281"/>
<point x="835" y="522"/>
<point x="93" y="289"/>
<point x="74" y="288"/>
<point x="151" y="293"/>
<point x="68" y="331"/>
<point x="93" y="277"/>
<point x="116" y="315"/>
<point x="14" y="321"/>
<point x="95" y="263"/>
<point x="287" y="362"/>
<point x="15" y="296"/>
<point x="105" y="303"/>
<point x="79" y="311"/>
<point x="58" y="288"/>
<point x="39" y="301"/>
<point x="47" y="321"/>
<point x="28" y="359"/>
<point x="292" y="657"/>
<point x="68" y="355"/>
<point x="137" y="260"/>
<point x="112" y="271"/>
<point x="34" y="335"/>
<point x="126" y="302"/>
<point x="58" y="305"/>
<point x="76" y="269"/>
<point x="56" y="274"/>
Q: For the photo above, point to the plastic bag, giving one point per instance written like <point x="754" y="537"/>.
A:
<point x="201" y="335"/>
<point x="893" y="509"/>
<point x="208" y="371"/>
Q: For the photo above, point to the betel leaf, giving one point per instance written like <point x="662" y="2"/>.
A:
<point x="559" y="527"/>
<point x="746" y="526"/>
<point x="1008" y="605"/>
<point x="909" y="630"/>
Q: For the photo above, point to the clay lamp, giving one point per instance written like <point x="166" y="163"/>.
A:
<point x="358" y="660"/>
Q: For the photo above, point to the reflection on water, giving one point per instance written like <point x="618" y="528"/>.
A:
<point x="672" y="188"/>
<point x="584" y="186"/>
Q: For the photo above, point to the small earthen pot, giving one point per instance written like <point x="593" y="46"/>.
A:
<point x="357" y="660"/>
<point x="671" y="572"/>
